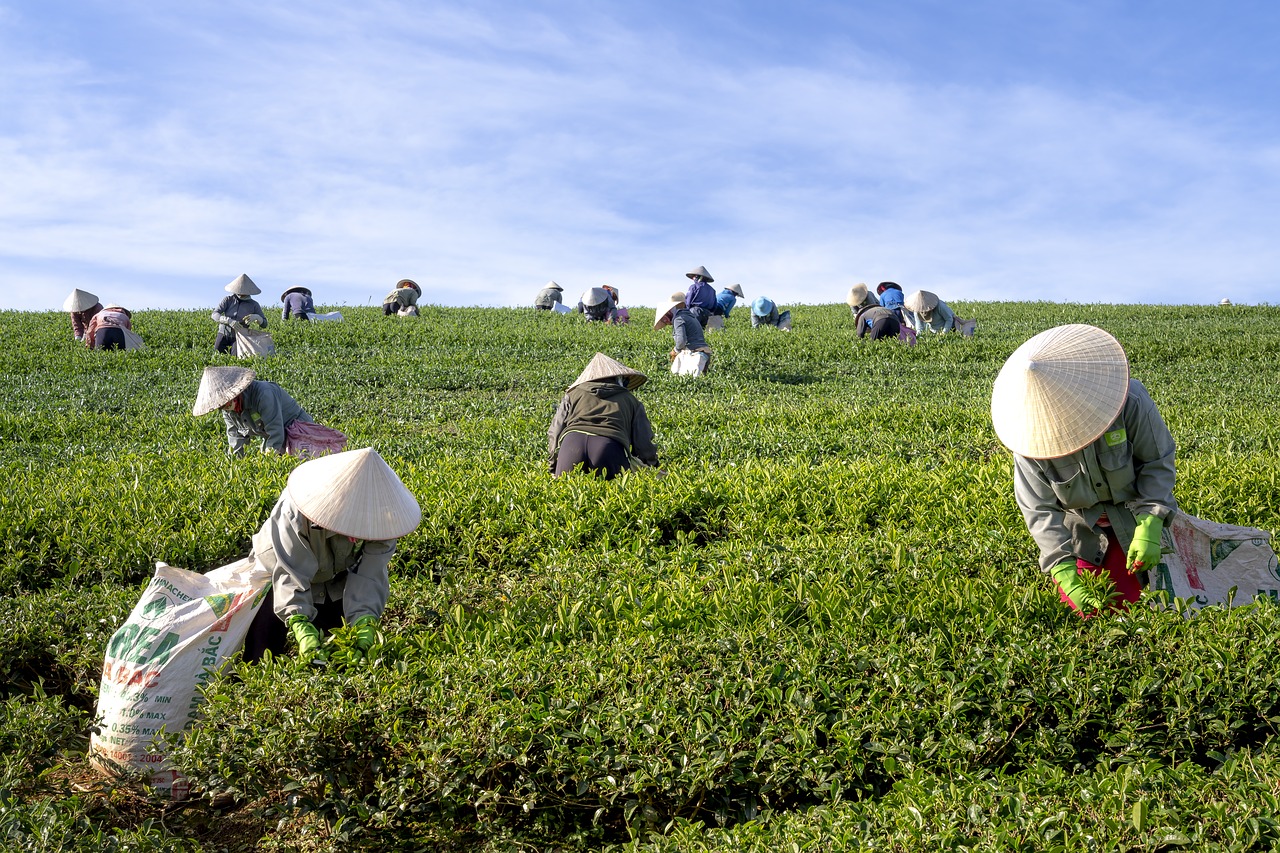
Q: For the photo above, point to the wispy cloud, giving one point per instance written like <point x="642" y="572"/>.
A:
<point x="484" y="149"/>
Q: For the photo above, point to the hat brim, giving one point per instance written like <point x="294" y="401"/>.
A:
<point x="219" y="386"/>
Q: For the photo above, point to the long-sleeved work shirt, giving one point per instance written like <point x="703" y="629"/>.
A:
<point x="103" y="320"/>
<point x="405" y="297"/>
<point x="310" y="564"/>
<point x="232" y="309"/>
<point x="727" y="300"/>
<point x="266" y="411"/>
<point x="1127" y="471"/>
<point x="297" y="304"/>
<point x="941" y="320"/>
<point x="687" y="330"/>
<point x="80" y="319"/>
<point x="547" y="297"/>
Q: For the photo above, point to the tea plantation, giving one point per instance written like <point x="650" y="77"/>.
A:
<point x="821" y="627"/>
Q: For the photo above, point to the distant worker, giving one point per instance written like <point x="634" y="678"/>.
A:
<point x="1093" y="462"/>
<point x="240" y="308"/>
<point x="728" y="298"/>
<point x="893" y="299"/>
<point x="297" y="304"/>
<point x="879" y="322"/>
<point x="859" y="297"/>
<point x="403" y="301"/>
<point x="618" y="314"/>
<point x="596" y="305"/>
<point x="599" y="423"/>
<point x="928" y="312"/>
<point x="111" y="328"/>
<point x="327" y="543"/>
<point x="700" y="298"/>
<point x="253" y="407"/>
<point x="548" y="297"/>
<point x="765" y="313"/>
<point x="690" y="355"/>
<point x="82" y="306"/>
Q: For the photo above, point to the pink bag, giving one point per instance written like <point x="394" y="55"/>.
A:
<point x="305" y="440"/>
<point x="907" y="335"/>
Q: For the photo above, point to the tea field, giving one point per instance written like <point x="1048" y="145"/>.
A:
<point x="820" y="627"/>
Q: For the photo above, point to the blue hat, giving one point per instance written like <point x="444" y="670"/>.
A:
<point x="762" y="306"/>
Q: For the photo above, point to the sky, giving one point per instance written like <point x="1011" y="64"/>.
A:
<point x="1091" y="151"/>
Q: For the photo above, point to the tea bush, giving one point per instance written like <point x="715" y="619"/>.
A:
<point x="821" y="627"/>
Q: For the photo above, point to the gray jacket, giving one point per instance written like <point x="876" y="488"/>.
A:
<point x="1127" y="471"/>
<point x="687" y="331"/>
<point x="309" y="564"/>
<point x="267" y="412"/>
<point x="547" y="297"/>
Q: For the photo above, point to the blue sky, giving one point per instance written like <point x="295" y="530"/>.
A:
<point x="1069" y="151"/>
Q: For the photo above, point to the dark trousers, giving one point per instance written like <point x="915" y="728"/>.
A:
<point x="594" y="453"/>
<point x="888" y="327"/>
<point x="389" y="308"/>
<point x="110" y="338"/>
<point x="225" y="340"/>
<point x="268" y="632"/>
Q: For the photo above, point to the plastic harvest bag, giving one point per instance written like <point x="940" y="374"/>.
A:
<point x="180" y="633"/>
<point x="251" y="342"/>
<point x="1203" y="560"/>
<point x="690" y="363"/>
<point x="308" y="440"/>
<point x="561" y="308"/>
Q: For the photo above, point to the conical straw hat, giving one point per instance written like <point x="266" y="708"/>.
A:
<point x="79" y="300"/>
<point x="1059" y="391"/>
<point x="297" y="289"/>
<point x="699" y="271"/>
<point x="921" y="302"/>
<point x="120" y="308"/>
<point x="736" y="290"/>
<point x="219" y="386"/>
<point x="244" y="286"/>
<point x="554" y="286"/>
<point x="603" y="367"/>
<point x="663" y="315"/>
<point x="402" y="282"/>
<point x="354" y="493"/>
<point x="857" y="295"/>
<point x="595" y="296"/>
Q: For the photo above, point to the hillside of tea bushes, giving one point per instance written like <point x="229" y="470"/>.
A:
<point x="822" y="628"/>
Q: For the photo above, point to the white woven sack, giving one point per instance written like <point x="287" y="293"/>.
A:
<point x="321" y="318"/>
<point x="251" y="342"/>
<point x="690" y="363"/>
<point x="1203" y="560"/>
<point x="561" y="308"/>
<point x="132" y="340"/>
<point x="182" y="630"/>
<point x="715" y="322"/>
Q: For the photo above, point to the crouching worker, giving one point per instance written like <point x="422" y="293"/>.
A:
<point x="327" y="544"/>
<point x="764" y="312"/>
<point x="254" y="407"/>
<point x="1092" y="460"/>
<point x="403" y="301"/>
<point x="599" y="420"/>
<point x="690" y="355"/>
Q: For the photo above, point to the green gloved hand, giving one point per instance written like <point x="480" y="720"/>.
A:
<point x="1144" y="550"/>
<point x="1074" y="586"/>
<point x="310" y="644"/>
<point x="366" y="631"/>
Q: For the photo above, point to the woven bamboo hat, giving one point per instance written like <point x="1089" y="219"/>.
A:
<point x="244" y="286"/>
<point x="603" y="367"/>
<point x="354" y="493"/>
<point x="857" y="295"/>
<point x="595" y="296"/>
<point x="298" y="289"/>
<point x="79" y="300"/>
<point x="219" y="386"/>
<point x="1059" y="391"/>
<point x="409" y="282"/>
<point x="922" y="302"/>
<point x="120" y="308"/>
<point x="663" y="315"/>
<point x="736" y="290"/>
<point x="554" y="286"/>
<point x="699" y="272"/>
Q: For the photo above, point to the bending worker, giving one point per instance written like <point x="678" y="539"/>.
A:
<point x="82" y="306"/>
<point x="240" y="307"/>
<point x="250" y="407"/>
<point x="327" y="544"/>
<point x="599" y="420"/>
<point x="403" y="301"/>
<point x="1093" y="460"/>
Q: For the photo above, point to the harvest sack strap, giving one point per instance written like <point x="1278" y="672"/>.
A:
<point x="306" y="440"/>
<point x="1203" y="560"/>
<point x="251" y="342"/>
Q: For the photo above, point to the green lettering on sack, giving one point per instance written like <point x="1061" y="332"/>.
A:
<point x="122" y="641"/>
<point x="160" y="656"/>
<point x="145" y="636"/>
<point x="1116" y="437"/>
